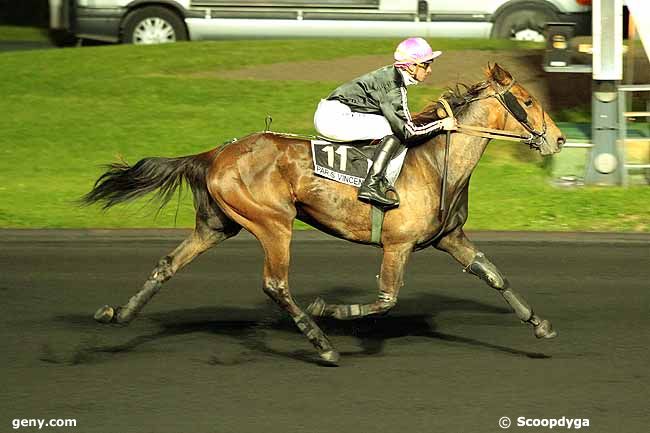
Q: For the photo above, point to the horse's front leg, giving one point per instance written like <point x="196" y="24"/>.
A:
<point x="391" y="279"/>
<point x="475" y="262"/>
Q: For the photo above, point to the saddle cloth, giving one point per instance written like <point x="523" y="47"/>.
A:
<point x="348" y="163"/>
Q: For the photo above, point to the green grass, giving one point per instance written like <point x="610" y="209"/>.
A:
<point x="67" y="112"/>
<point x="508" y="193"/>
<point x="24" y="34"/>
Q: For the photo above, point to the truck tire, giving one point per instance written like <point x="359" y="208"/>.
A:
<point x="523" y="23"/>
<point x="153" y="25"/>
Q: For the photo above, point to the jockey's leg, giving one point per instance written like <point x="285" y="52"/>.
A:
<point x="275" y="242"/>
<point x="391" y="279"/>
<point x="202" y="238"/>
<point x="475" y="262"/>
<point x="373" y="189"/>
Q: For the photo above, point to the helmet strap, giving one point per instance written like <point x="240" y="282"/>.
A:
<point x="412" y="69"/>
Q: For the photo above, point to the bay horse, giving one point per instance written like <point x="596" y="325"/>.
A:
<point x="264" y="181"/>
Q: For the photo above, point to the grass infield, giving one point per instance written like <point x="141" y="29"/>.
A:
<point x="22" y="34"/>
<point x="65" y="112"/>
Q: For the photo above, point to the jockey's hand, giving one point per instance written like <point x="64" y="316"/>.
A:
<point x="449" y="124"/>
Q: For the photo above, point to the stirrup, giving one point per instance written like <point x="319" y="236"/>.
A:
<point x="382" y="205"/>
<point x="391" y="188"/>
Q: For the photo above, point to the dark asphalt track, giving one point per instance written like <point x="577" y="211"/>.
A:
<point x="211" y="354"/>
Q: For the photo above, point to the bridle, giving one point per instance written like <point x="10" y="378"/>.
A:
<point x="535" y="138"/>
<point x="511" y="103"/>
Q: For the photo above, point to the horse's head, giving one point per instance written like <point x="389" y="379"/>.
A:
<point x="527" y="114"/>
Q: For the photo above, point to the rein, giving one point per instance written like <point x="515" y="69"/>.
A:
<point x="478" y="131"/>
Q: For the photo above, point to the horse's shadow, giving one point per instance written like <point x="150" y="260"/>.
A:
<point x="251" y="328"/>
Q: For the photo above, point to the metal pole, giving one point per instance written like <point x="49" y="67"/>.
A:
<point x="622" y="132"/>
<point x="606" y="165"/>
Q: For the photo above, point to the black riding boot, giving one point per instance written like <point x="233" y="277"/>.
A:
<point x="374" y="187"/>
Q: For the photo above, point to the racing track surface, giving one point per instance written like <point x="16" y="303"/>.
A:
<point x="211" y="354"/>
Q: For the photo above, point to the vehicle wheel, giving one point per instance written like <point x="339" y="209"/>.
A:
<point x="153" y="25"/>
<point x="523" y="24"/>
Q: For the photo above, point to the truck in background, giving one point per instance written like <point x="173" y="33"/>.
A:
<point x="164" y="21"/>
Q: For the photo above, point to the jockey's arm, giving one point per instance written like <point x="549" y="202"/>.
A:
<point x="395" y="110"/>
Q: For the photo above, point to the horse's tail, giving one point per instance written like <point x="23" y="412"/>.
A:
<point x="122" y="182"/>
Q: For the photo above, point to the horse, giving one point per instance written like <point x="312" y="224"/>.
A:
<point x="264" y="181"/>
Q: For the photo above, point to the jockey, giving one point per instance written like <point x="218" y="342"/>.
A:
<point x="374" y="106"/>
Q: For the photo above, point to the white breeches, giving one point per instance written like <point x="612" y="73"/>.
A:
<point x="335" y="120"/>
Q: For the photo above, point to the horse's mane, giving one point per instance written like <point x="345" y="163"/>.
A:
<point x="458" y="98"/>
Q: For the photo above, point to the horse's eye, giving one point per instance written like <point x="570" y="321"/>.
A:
<point x="528" y="103"/>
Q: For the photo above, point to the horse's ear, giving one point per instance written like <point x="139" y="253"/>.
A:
<point x="488" y="71"/>
<point x="500" y="75"/>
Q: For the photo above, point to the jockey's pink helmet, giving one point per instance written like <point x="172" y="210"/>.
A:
<point x="413" y="51"/>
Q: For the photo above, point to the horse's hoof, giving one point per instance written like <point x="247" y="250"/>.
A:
<point x="316" y="308"/>
<point x="330" y="358"/>
<point x="105" y="314"/>
<point x="545" y="330"/>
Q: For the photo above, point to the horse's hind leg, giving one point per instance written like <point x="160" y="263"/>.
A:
<point x="208" y="233"/>
<point x="475" y="262"/>
<point x="391" y="279"/>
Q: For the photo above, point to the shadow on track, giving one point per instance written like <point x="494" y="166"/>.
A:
<point x="249" y="326"/>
